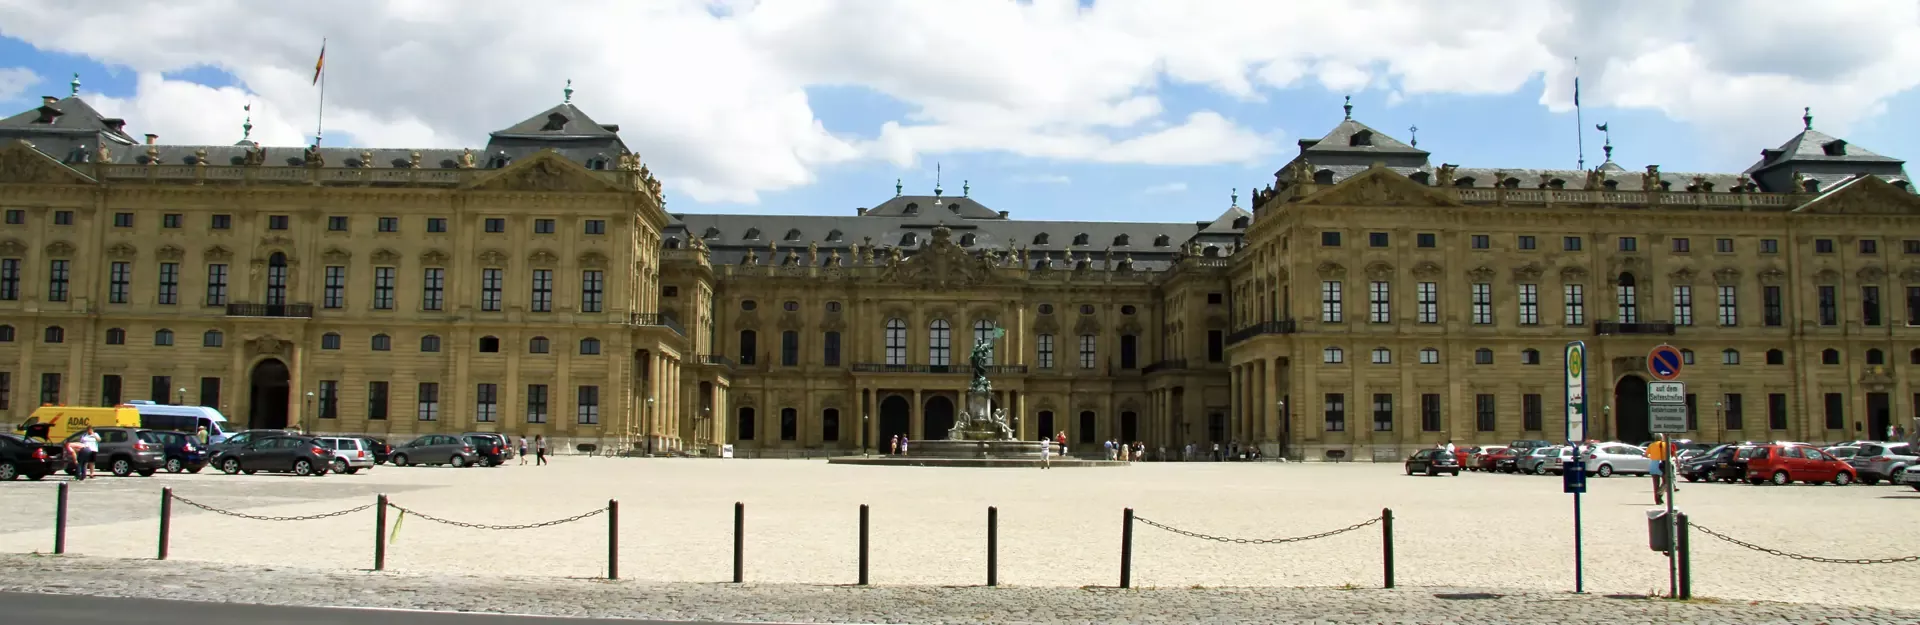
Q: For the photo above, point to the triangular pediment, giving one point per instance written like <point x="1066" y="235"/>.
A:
<point x="1863" y="195"/>
<point x="21" y="163"/>
<point x="545" y="170"/>
<point x="1379" y="186"/>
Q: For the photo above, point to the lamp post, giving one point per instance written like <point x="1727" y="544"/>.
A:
<point x="1606" y="418"/>
<point x="1286" y="428"/>
<point x="706" y="425"/>
<point x="305" y="415"/>
<point x="863" y="435"/>
<point x="181" y="398"/>
<point x="1720" y="410"/>
<point x="649" y="426"/>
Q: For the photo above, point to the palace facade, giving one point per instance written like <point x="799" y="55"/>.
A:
<point x="1369" y="302"/>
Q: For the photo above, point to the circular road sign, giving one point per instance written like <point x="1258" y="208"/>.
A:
<point x="1664" y="362"/>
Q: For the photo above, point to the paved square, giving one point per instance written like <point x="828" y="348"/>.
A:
<point x="1058" y="528"/>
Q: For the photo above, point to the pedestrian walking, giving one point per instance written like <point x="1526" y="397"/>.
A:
<point x="89" y="447"/>
<point x="1046" y="453"/>
<point x="539" y="450"/>
<point x="893" y="446"/>
<point x="903" y="444"/>
<point x="1657" y="452"/>
<point x="523" y="450"/>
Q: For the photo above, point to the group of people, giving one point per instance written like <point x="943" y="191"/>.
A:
<point x="898" y="447"/>
<point x="539" y="449"/>
<point x="1124" y="452"/>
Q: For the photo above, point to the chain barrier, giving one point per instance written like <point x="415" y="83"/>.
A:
<point x="1796" y="556"/>
<point x="484" y="526"/>
<point x="253" y="517"/>
<point x="1258" y="541"/>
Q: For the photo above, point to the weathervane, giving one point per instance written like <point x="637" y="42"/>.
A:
<point x="569" y="92"/>
<point x="1605" y="131"/>
<point x="1348" y="107"/>
<point x="1236" y="197"/>
<point x="246" y="129"/>
<point x="76" y="85"/>
<point x="1413" y="132"/>
<point x="936" y="184"/>
<point x="1806" y="113"/>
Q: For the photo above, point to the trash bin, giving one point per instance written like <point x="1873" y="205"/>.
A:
<point x="1659" y="530"/>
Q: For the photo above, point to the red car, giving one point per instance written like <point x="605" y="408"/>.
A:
<point x="1500" y="460"/>
<point x="1788" y="463"/>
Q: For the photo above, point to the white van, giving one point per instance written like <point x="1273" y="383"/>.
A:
<point x="182" y="419"/>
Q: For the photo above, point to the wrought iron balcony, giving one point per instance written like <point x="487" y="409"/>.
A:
<point x="656" y="319"/>
<point x="243" y="309"/>
<point x="874" y="367"/>
<point x="1282" y="326"/>
<point x="1603" y="328"/>
<point x="1171" y="364"/>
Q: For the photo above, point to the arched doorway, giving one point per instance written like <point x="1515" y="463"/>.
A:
<point x="1129" y="426"/>
<point x="938" y="419"/>
<point x="1046" y="424"/>
<point x="1630" y="410"/>
<point x="272" y="388"/>
<point x="896" y="418"/>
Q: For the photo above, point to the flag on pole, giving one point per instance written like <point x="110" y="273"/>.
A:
<point x="321" y="63"/>
<point x="1576" y="83"/>
<point x="1600" y="127"/>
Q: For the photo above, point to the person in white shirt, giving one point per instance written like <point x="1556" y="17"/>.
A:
<point x="89" y="446"/>
<point x="1449" y="446"/>
<point x="1046" y="453"/>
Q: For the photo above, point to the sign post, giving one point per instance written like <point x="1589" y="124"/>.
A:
<point x="1575" y="472"/>
<point x="1667" y="414"/>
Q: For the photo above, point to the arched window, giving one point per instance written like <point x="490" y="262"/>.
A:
<point x="490" y="344"/>
<point x="983" y="331"/>
<point x="789" y="424"/>
<point x="1730" y="357"/>
<point x="589" y="346"/>
<point x="430" y="343"/>
<point x="939" y="343"/>
<point x="277" y="279"/>
<point x="163" y="337"/>
<point x="116" y="336"/>
<point x="1625" y="295"/>
<point x="539" y="345"/>
<point x="1776" y="357"/>
<point x="896" y="341"/>
<point x="744" y="424"/>
<point x="830" y="424"/>
<point x="1483" y="356"/>
<point x="1876" y="357"/>
<point x="212" y="338"/>
<point x="330" y="340"/>
<point x="56" y="334"/>
<point x="1829" y="356"/>
<point x="382" y="343"/>
<point x="1332" y="355"/>
<point x="749" y="346"/>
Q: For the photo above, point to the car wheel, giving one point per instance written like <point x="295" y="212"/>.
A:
<point x="1842" y="478"/>
<point x="148" y="472"/>
<point x="399" y="460"/>
<point x="303" y="466"/>
<point x="1409" y="469"/>
<point x="122" y="467"/>
<point x="1780" y="478"/>
<point x="174" y="466"/>
<point x="339" y="466"/>
<point x="1456" y="473"/>
<point x="9" y="472"/>
<point x="230" y="466"/>
<point x="458" y="461"/>
<point x="1606" y="470"/>
<point x="1869" y="480"/>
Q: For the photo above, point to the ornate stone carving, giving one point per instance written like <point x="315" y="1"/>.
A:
<point x="1826" y="276"/>
<point x="941" y="264"/>
<point x="1426" y="269"/>
<point x="543" y="258"/>
<point x="593" y="260"/>
<point x="1573" y="274"/>
<point x="1650" y="181"/>
<point x="1683" y="275"/>
<point x="747" y="320"/>
<point x="20" y="162"/>
<point x="12" y="247"/>
<point x="1046" y="324"/>
<point x="1529" y="272"/>
<point x="267" y="345"/>
<point x="170" y="253"/>
<point x="384" y="256"/>
<point x="336" y="255"/>
<point x="60" y="249"/>
<point x="493" y="258"/>
<point x="217" y="254"/>
<point x="122" y="251"/>
<point x="545" y="171"/>
<point x="1771" y="275"/>
<point x="1331" y="270"/>
<point x="275" y="240"/>
<point x="1379" y="270"/>
<point x="1088" y="324"/>
<point x="792" y="321"/>
<point x="434" y="258"/>
<point x="1870" y="273"/>
<point x="1482" y="273"/>
<point x="1726" y="276"/>
<point x="1380" y="187"/>
<point x="1912" y="274"/>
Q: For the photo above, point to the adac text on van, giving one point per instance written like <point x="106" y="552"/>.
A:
<point x="56" y="423"/>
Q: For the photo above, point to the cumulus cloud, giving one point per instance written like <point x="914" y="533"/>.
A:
<point x="1163" y="189"/>
<point x="15" y="81"/>
<point x="714" y="93"/>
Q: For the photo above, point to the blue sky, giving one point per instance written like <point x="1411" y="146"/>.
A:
<point x="737" y="136"/>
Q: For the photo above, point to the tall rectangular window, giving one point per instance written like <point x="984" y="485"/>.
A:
<point x="384" y="282"/>
<point x="57" y="279"/>
<point x="209" y="391"/>
<point x="1628" y="300"/>
<point x="1379" y="302"/>
<point x="1430" y="412"/>
<point x="429" y="401"/>
<point x="1044" y="344"/>
<point x="377" y="401"/>
<point x="1836" y="410"/>
<point x="593" y="283"/>
<point x="1330" y="311"/>
<point x="1777" y="410"/>
<point x="1382" y="412"/>
<point x="1772" y="311"/>
<point x="1913" y="304"/>
<point x="1087" y="342"/>
<point x="169" y="284"/>
<point x="790" y="348"/>
<point x="1574" y="300"/>
<point x="940" y="343"/>
<point x="1529" y="304"/>
<point x="1483" y="413"/>
<point x="1829" y="306"/>
<point x="329" y="399"/>
<point x="897" y="342"/>
<point x="1336" y="412"/>
<point x="1735" y="418"/>
<point x="830" y="349"/>
<point x="1482" y="304"/>
<point x="1427" y="302"/>
<point x="1531" y="415"/>
<point x="119" y="282"/>
<point x="433" y="288"/>
<point x="1682" y="305"/>
<point x="9" y="279"/>
<point x="333" y="293"/>
<point x="492" y="280"/>
<point x="110" y="390"/>
<point x="542" y="290"/>
<point x="1870" y="305"/>
<point x="50" y="388"/>
<point x="536" y="403"/>
<point x="588" y="406"/>
<point x="1729" y="305"/>
<point x="217" y="284"/>
<point x="486" y="398"/>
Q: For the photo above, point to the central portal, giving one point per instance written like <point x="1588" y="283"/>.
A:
<point x="272" y="391"/>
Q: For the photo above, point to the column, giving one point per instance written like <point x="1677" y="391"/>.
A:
<point x="1234" y="399"/>
<point x="1262" y="404"/>
<point x="916" y="421"/>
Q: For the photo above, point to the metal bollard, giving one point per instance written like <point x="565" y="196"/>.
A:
<point x="60" y="521"/>
<point x="1686" y="555"/>
<point x="1386" y="543"/>
<point x="739" y="542"/>
<point x="993" y="546"/>
<point x="613" y="539"/>
<point x="380" y="532"/>
<point x="166" y="520"/>
<point x="863" y="544"/>
<point x="1126" y="550"/>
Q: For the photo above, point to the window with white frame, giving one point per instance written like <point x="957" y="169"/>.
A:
<point x="1729" y="306"/>
<point x="896" y="341"/>
<point x="1682" y="305"/>
<point x="1429" y="356"/>
<point x="1482" y="304"/>
<point x="486" y="399"/>
<point x="1379" y="302"/>
<point x="1330" y="311"/>
<point x="1730" y="357"/>
<point x="433" y="288"/>
<point x="1333" y="355"/>
<point x="429" y="401"/>
<point x="384" y="281"/>
<point x="1626" y="295"/>
<point x="1529" y="304"/>
<point x="1382" y="356"/>
<point x="1044" y="343"/>
<point x="1574" y="304"/>
<point x="939" y="343"/>
<point x="1427" y="302"/>
<point x="1087" y="353"/>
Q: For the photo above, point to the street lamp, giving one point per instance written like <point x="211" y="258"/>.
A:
<point x="1286" y="428"/>
<point x="309" y="411"/>
<point x="1720" y="410"/>
<point x="649" y="426"/>
<point x="863" y="435"/>
<point x="181" y="399"/>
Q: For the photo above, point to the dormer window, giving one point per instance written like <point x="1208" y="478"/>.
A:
<point x="1611" y="185"/>
<point x="1812" y="186"/>
<point x="1240" y="223"/>
<point x="673" y="243"/>
<point x="966" y="240"/>
<point x="909" y="240"/>
<point x="912" y="209"/>
<point x="1324" y="176"/>
<point x="753" y="234"/>
<point x="1421" y="177"/>
<point x="710" y="233"/>
<point x="556" y="122"/>
<point x="599" y="161"/>
<point x="499" y="160"/>
<point x="834" y="236"/>
<point x="1080" y="239"/>
<point x="1511" y="183"/>
<point x="1361" y="139"/>
<point x="1836" y="147"/>
<point x="793" y="235"/>
<point x="1122" y="240"/>
<point x="1162" y="241"/>
<point x="1464" y="182"/>
<point x="1556" y="184"/>
<point x="1040" y="239"/>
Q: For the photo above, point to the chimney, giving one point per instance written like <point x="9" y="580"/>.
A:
<point x="47" y="100"/>
<point x="860" y="212"/>
<point x="1003" y="214"/>
<point x="152" y="138"/>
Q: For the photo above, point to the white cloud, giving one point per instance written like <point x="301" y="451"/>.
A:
<point x="713" y="93"/>
<point x="1163" y="189"/>
<point x="1042" y="179"/>
<point x="15" y="81"/>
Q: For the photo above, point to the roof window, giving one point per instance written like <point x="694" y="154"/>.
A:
<point x="1040" y="239"/>
<point x="1836" y="147"/>
<point x="1360" y="139"/>
<point x="793" y="235"/>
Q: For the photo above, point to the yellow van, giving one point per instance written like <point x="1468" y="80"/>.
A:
<point x="56" y="423"/>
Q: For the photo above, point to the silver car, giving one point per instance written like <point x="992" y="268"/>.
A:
<point x="1541" y="460"/>
<point x="1882" y="461"/>
<point x="350" y="455"/>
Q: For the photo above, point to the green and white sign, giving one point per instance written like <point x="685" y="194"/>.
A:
<point x="1577" y="391"/>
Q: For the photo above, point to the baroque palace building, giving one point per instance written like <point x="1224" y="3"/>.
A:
<point x="538" y="286"/>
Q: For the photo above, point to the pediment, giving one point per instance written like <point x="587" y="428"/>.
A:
<point x="169" y="252"/>
<point x="60" y="249"/>
<point x="217" y="254"/>
<point x="1865" y="195"/>
<point x="493" y="258"/>
<point x="545" y="170"/>
<point x="12" y="247"/>
<point x="1379" y="270"/>
<point x="20" y="162"/>
<point x="433" y="258"/>
<point x="543" y="257"/>
<point x="385" y="256"/>
<point x="1426" y="269"/>
<point x="122" y="251"/>
<point x="1379" y="186"/>
<point x="942" y="264"/>
<point x="593" y="260"/>
<point x="336" y="255"/>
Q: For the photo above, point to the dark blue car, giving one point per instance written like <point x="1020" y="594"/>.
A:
<point x="183" y="453"/>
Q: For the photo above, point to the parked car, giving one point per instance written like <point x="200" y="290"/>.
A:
<point x="1606" y="459"/>
<point x="1539" y="458"/>
<point x="489" y="450"/>
<point x="20" y="456"/>
<point x="1479" y="459"/>
<point x="243" y="438"/>
<point x="506" y="443"/>
<point x="350" y="453"/>
<point x="1706" y="465"/>
<point x="378" y="447"/>
<point x="1785" y="463"/>
<point x="1433" y="462"/>
<point x="1843" y="452"/>
<point x="124" y="452"/>
<point x="1502" y="461"/>
<point x="435" y="449"/>
<point x="1909" y="478"/>
<point x="285" y="453"/>
<point x="181" y="451"/>
<point x="1881" y="461"/>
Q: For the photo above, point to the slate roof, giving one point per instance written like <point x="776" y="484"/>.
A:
<point x="66" y="129"/>
<point x="933" y="207"/>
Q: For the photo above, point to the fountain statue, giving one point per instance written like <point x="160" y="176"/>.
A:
<point x="981" y="421"/>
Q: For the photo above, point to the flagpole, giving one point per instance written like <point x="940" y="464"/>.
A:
<point x="320" y="115"/>
<point x="1579" y="123"/>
